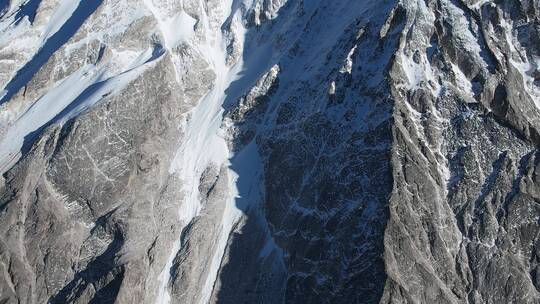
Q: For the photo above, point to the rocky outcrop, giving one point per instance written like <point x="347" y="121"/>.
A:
<point x="269" y="151"/>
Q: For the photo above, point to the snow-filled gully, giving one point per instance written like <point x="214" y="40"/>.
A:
<point x="203" y="145"/>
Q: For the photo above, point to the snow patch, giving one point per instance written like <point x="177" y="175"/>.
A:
<point x="44" y="110"/>
<point x="462" y="82"/>
<point x="67" y="99"/>
<point x="420" y="73"/>
<point x="176" y="29"/>
<point x="204" y="144"/>
<point x="347" y="67"/>
<point x="412" y="70"/>
<point x="461" y="30"/>
<point x="527" y="69"/>
<point x="64" y="10"/>
<point x="478" y="5"/>
<point x="332" y="88"/>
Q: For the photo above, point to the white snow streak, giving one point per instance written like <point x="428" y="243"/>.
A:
<point x="176" y="29"/>
<point x="204" y="145"/>
<point x="61" y="15"/>
<point x="58" y="99"/>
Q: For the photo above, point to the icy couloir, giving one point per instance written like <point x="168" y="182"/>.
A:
<point x="269" y="151"/>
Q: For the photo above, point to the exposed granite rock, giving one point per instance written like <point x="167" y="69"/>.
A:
<point x="276" y="151"/>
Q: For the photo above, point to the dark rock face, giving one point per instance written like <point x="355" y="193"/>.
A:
<point x="271" y="152"/>
<point x="326" y="160"/>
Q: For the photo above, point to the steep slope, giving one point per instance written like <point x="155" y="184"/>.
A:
<point x="463" y="224"/>
<point x="269" y="151"/>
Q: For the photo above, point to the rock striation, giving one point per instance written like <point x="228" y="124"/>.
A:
<point x="269" y="151"/>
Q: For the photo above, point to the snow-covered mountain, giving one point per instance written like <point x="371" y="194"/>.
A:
<point x="269" y="151"/>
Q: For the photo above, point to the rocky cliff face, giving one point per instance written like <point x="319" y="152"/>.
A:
<point x="269" y="151"/>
